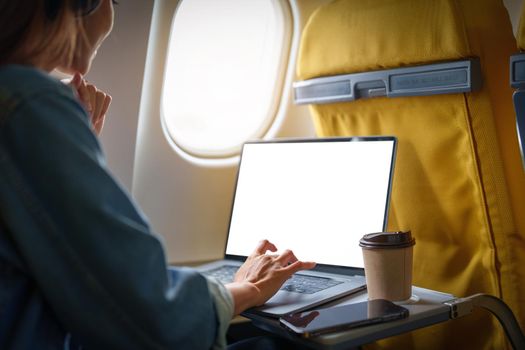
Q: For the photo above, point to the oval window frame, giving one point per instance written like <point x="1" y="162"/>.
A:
<point x="268" y="123"/>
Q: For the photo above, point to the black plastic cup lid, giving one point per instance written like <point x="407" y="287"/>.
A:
<point x="387" y="240"/>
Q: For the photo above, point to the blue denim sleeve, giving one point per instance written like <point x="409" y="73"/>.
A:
<point x="89" y="248"/>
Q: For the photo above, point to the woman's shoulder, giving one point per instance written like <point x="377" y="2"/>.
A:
<point x="27" y="93"/>
<point x="38" y="111"/>
<point x="26" y="81"/>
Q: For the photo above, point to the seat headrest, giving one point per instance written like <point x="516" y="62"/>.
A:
<point x="347" y="36"/>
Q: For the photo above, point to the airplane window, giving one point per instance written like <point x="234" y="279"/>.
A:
<point x="225" y="66"/>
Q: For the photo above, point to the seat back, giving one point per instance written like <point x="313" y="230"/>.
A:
<point x="458" y="183"/>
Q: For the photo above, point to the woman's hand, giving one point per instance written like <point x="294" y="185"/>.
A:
<point x="262" y="275"/>
<point x="95" y="101"/>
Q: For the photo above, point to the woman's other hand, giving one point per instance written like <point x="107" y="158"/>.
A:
<point x="262" y="275"/>
<point x="95" y="101"/>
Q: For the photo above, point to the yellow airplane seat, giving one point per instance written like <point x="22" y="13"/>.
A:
<point x="435" y="74"/>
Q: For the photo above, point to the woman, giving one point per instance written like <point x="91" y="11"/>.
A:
<point x="77" y="259"/>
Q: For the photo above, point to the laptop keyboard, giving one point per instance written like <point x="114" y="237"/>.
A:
<point x="224" y="273"/>
<point x="297" y="283"/>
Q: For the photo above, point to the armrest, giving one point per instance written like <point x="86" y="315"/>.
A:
<point x="463" y="306"/>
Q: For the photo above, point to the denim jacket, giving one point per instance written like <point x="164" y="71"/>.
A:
<point x="78" y="262"/>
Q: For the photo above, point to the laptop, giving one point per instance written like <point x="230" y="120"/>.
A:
<point x="317" y="197"/>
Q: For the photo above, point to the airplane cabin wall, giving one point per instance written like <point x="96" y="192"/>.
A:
<point x="118" y="70"/>
<point x="190" y="202"/>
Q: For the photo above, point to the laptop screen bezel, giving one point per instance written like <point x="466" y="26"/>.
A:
<point x="344" y="270"/>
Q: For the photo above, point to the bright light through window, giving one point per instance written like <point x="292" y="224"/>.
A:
<point x="224" y="72"/>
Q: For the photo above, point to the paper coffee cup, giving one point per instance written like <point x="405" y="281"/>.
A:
<point x="388" y="264"/>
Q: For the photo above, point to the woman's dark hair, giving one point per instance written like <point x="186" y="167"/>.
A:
<point x="80" y="7"/>
<point x="33" y="27"/>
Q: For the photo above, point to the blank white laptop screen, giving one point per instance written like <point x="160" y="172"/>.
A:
<point x="316" y="198"/>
